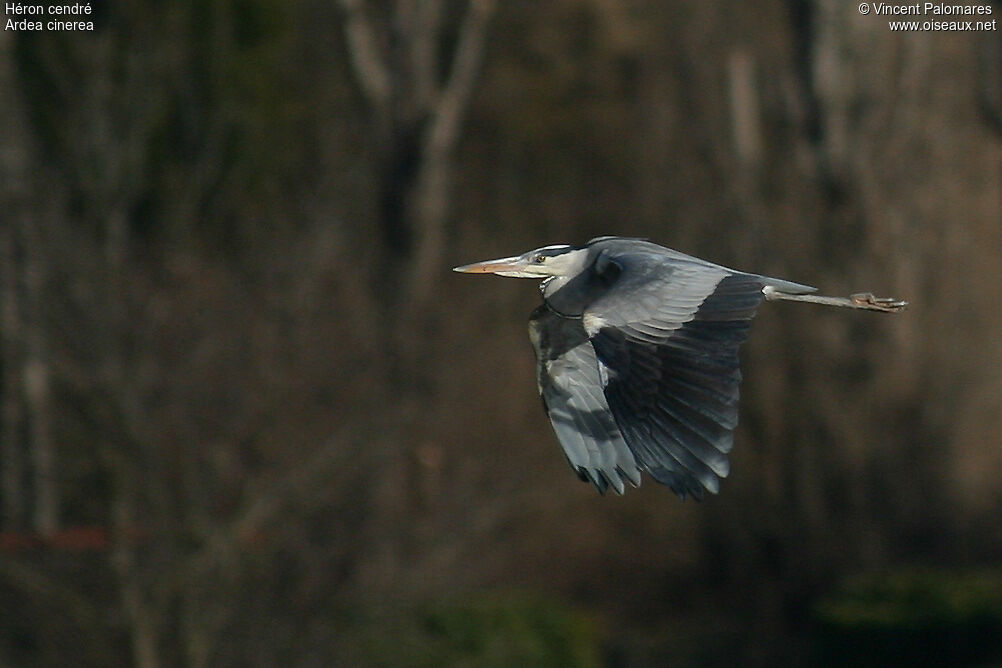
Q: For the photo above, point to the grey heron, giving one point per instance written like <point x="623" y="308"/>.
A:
<point x="637" y="355"/>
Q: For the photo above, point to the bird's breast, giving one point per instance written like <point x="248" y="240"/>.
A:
<point x="592" y="324"/>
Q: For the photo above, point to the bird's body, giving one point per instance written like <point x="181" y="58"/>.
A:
<point x="637" y="356"/>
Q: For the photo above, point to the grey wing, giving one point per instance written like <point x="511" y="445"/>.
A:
<point x="570" y="384"/>
<point x="670" y="341"/>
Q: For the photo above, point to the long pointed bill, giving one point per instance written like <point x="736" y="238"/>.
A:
<point x="505" y="266"/>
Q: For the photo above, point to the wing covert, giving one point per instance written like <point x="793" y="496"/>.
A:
<point x="674" y="383"/>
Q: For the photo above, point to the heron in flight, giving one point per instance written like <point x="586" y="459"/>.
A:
<point x="637" y="355"/>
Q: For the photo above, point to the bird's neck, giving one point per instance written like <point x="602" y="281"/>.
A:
<point x="555" y="301"/>
<point x="551" y="285"/>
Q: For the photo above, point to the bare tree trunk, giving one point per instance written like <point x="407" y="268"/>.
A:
<point x="37" y="390"/>
<point x="15" y="198"/>
<point x="418" y="119"/>
<point x="434" y="181"/>
<point x="12" y="414"/>
<point x="144" y="621"/>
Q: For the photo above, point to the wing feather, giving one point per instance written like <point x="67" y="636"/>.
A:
<point x="571" y="384"/>
<point x="638" y="365"/>
<point x="675" y="395"/>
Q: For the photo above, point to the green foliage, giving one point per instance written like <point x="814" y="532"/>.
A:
<point x="914" y="616"/>
<point x="493" y="630"/>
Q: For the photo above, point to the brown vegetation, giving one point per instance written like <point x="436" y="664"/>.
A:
<point x="243" y="397"/>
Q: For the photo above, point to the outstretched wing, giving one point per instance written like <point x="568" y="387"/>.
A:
<point x="669" y="339"/>
<point x="571" y="385"/>
<point x="646" y="378"/>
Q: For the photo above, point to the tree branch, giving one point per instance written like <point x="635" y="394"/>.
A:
<point x="448" y="113"/>
<point x="371" y="69"/>
<point x="424" y="51"/>
<point x="435" y="178"/>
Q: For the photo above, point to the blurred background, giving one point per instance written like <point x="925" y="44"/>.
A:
<point x="248" y="417"/>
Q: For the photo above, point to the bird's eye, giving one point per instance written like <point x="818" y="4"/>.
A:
<point x="539" y="259"/>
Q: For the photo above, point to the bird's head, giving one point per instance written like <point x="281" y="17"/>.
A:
<point x="546" y="262"/>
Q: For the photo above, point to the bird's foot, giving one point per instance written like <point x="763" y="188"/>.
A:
<point x="866" y="300"/>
